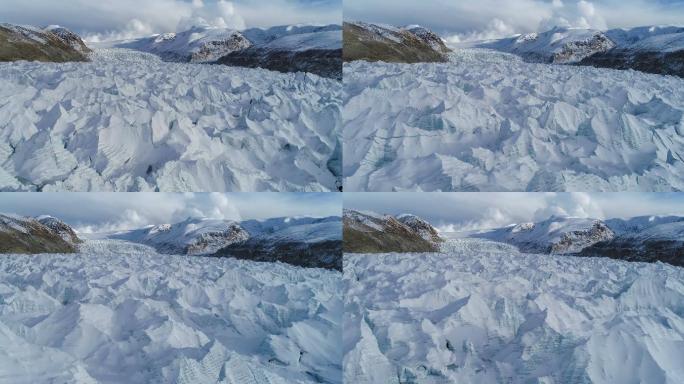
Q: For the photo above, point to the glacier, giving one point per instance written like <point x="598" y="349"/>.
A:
<point x="482" y="312"/>
<point x="488" y="121"/>
<point x="120" y="312"/>
<point x="127" y="121"/>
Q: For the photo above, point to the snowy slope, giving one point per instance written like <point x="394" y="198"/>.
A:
<point x="648" y="239"/>
<point x="290" y="37"/>
<point x="558" y="46"/>
<point x="129" y="122"/>
<point x="291" y="48"/>
<point x="299" y="229"/>
<point x="120" y="312"/>
<point x="421" y="227"/>
<point x="649" y="38"/>
<point x="489" y="121"/>
<point x="484" y="313"/>
<point x="197" y="45"/>
<point x="570" y="45"/>
<point x="653" y="49"/>
<point x="192" y="236"/>
<point x="556" y="235"/>
<point x="302" y="241"/>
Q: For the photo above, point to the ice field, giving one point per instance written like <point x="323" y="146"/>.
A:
<point x="120" y="312"/>
<point x="481" y="312"/>
<point x="487" y="121"/>
<point x="127" y="121"/>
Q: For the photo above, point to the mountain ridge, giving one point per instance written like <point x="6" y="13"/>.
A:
<point x="368" y="232"/>
<point x="50" y="44"/>
<point x="651" y="49"/>
<point x="379" y="42"/>
<point x="29" y="235"/>
<point x="306" y="48"/>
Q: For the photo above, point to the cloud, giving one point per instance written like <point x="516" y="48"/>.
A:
<point x="121" y="19"/>
<point x="104" y="212"/>
<point x="485" y="19"/>
<point x="221" y="14"/>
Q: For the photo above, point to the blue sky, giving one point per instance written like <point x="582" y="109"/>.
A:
<point x="491" y="210"/>
<point x="132" y="18"/>
<point x="482" y="19"/>
<point x="109" y="211"/>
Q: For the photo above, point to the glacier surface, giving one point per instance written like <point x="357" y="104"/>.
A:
<point x="487" y="121"/>
<point x="482" y="312"/>
<point x="126" y="121"/>
<point x="119" y="312"/>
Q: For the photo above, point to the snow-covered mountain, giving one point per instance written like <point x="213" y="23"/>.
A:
<point x="421" y="227"/>
<point x="556" y="235"/>
<point x="315" y="49"/>
<point x="646" y="238"/>
<point x="369" y="232"/>
<point x="36" y="235"/>
<point x="651" y="49"/>
<point x="197" y="45"/>
<point x="558" y="46"/>
<point x="191" y="237"/>
<point x="60" y="228"/>
<point x="52" y="44"/>
<point x="380" y="42"/>
<point x="306" y="241"/>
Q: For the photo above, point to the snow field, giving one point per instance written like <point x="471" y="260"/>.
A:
<point x="129" y="122"/>
<point x="120" y="312"/>
<point x="481" y="312"/>
<point x="489" y="121"/>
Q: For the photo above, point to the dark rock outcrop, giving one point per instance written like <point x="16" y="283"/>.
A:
<point x="323" y="62"/>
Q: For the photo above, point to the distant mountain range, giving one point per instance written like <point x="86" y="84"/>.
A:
<point x="315" y="49"/>
<point x="307" y="242"/>
<point x="306" y="48"/>
<point x="304" y="241"/>
<point x="652" y="49"/>
<point x="52" y="44"/>
<point x="646" y="238"/>
<point x="368" y="232"/>
<point x="380" y="42"/>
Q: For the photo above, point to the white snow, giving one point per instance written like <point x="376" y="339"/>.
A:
<point x="556" y="234"/>
<point x="559" y="45"/>
<point x="570" y="45"/>
<point x="263" y="36"/>
<point x="194" y="236"/>
<point x="197" y="45"/>
<point x="307" y="41"/>
<point x="129" y="122"/>
<point x="482" y="312"/>
<point x="489" y="121"/>
<point x="119" y="312"/>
